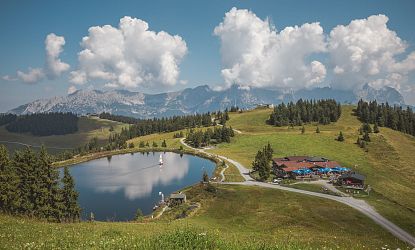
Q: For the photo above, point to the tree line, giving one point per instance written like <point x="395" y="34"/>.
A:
<point x="7" y="118"/>
<point x="204" y="138"/>
<point x="295" y="114"/>
<point x="150" y="126"/>
<point x="42" y="124"/>
<point x="165" y="124"/>
<point x="385" y="115"/>
<point x="30" y="186"/>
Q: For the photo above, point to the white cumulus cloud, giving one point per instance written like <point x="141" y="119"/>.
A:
<point x="32" y="76"/>
<point x="365" y="51"/>
<point x="254" y="54"/>
<point x="53" y="68"/>
<point x="54" y="47"/>
<point x="129" y="55"/>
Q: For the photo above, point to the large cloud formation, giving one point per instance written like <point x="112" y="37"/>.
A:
<point x="363" y="52"/>
<point x="129" y="56"/>
<point x="254" y="54"/>
<point x="53" y="68"/>
<point x="54" y="47"/>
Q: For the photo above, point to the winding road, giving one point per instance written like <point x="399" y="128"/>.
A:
<point x="357" y="204"/>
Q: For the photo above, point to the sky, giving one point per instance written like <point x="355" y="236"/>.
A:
<point x="52" y="48"/>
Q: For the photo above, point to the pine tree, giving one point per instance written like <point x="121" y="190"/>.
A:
<point x="340" y="137"/>
<point x="9" y="192"/>
<point x="376" y="128"/>
<point x="367" y="127"/>
<point x="318" y="130"/>
<point x="50" y="186"/>
<point x="268" y="152"/>
<point x="256" y="164"/>
<point x="303" y="130"/>
<point x="164" y="144"/>
<point x="147" y="144"/>
<point x="366" y="137"/>
<point x="71" y="210"/>
<point x="264" y="170"/>
<point x="141" y="144"/>
<point x="24" y="162"/>
<point x="261" y="164"/>
<point x="155" y="145"/>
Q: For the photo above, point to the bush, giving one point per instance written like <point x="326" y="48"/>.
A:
<point x="139" y="216"/>
<point x="210" y="188"/>
<point x="340" y="137"/>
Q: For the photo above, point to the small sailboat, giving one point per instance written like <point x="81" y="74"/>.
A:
<point x="161" y="160"/>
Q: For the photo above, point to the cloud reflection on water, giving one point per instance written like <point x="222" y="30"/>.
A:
<point x="137" y="175"/>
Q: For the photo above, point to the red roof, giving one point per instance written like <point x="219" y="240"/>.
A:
<point x="290" y="169"/>
<point x="289" y="166"/>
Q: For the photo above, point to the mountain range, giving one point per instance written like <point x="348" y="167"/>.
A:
<point x="193" y="100"/>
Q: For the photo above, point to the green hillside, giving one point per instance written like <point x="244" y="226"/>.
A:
<point x="240" y="217"/>
<point x="88" y="128"/>
<point x="388" y="164"/>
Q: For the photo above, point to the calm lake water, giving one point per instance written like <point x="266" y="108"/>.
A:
<point x="113" y="188"/>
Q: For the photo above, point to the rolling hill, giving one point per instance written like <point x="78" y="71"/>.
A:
<point x="89" y="127"/>
<point x="388" y="163"/>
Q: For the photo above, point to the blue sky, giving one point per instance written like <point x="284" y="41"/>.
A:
<point x="25" y="24"/>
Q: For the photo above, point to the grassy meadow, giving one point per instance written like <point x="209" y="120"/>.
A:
<point x="388" y="164"/>
<point x="268" y="219"/>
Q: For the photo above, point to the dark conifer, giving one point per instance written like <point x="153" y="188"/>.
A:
<point x="9" y="192"/>
<point x="375" y="128"/>
<point x="71" y="210"/>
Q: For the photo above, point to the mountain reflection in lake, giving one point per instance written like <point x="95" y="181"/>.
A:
<point x="114" y="187"/>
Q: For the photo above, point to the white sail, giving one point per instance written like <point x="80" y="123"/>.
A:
<point x="161" y="160"/>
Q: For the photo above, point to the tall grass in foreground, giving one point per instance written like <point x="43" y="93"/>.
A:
<point x="186" y="238"/>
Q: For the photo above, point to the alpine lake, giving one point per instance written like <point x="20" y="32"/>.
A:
<point x="113" y="188"/>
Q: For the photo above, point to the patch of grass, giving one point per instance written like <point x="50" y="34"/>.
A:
<point x="232" y="174"/>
